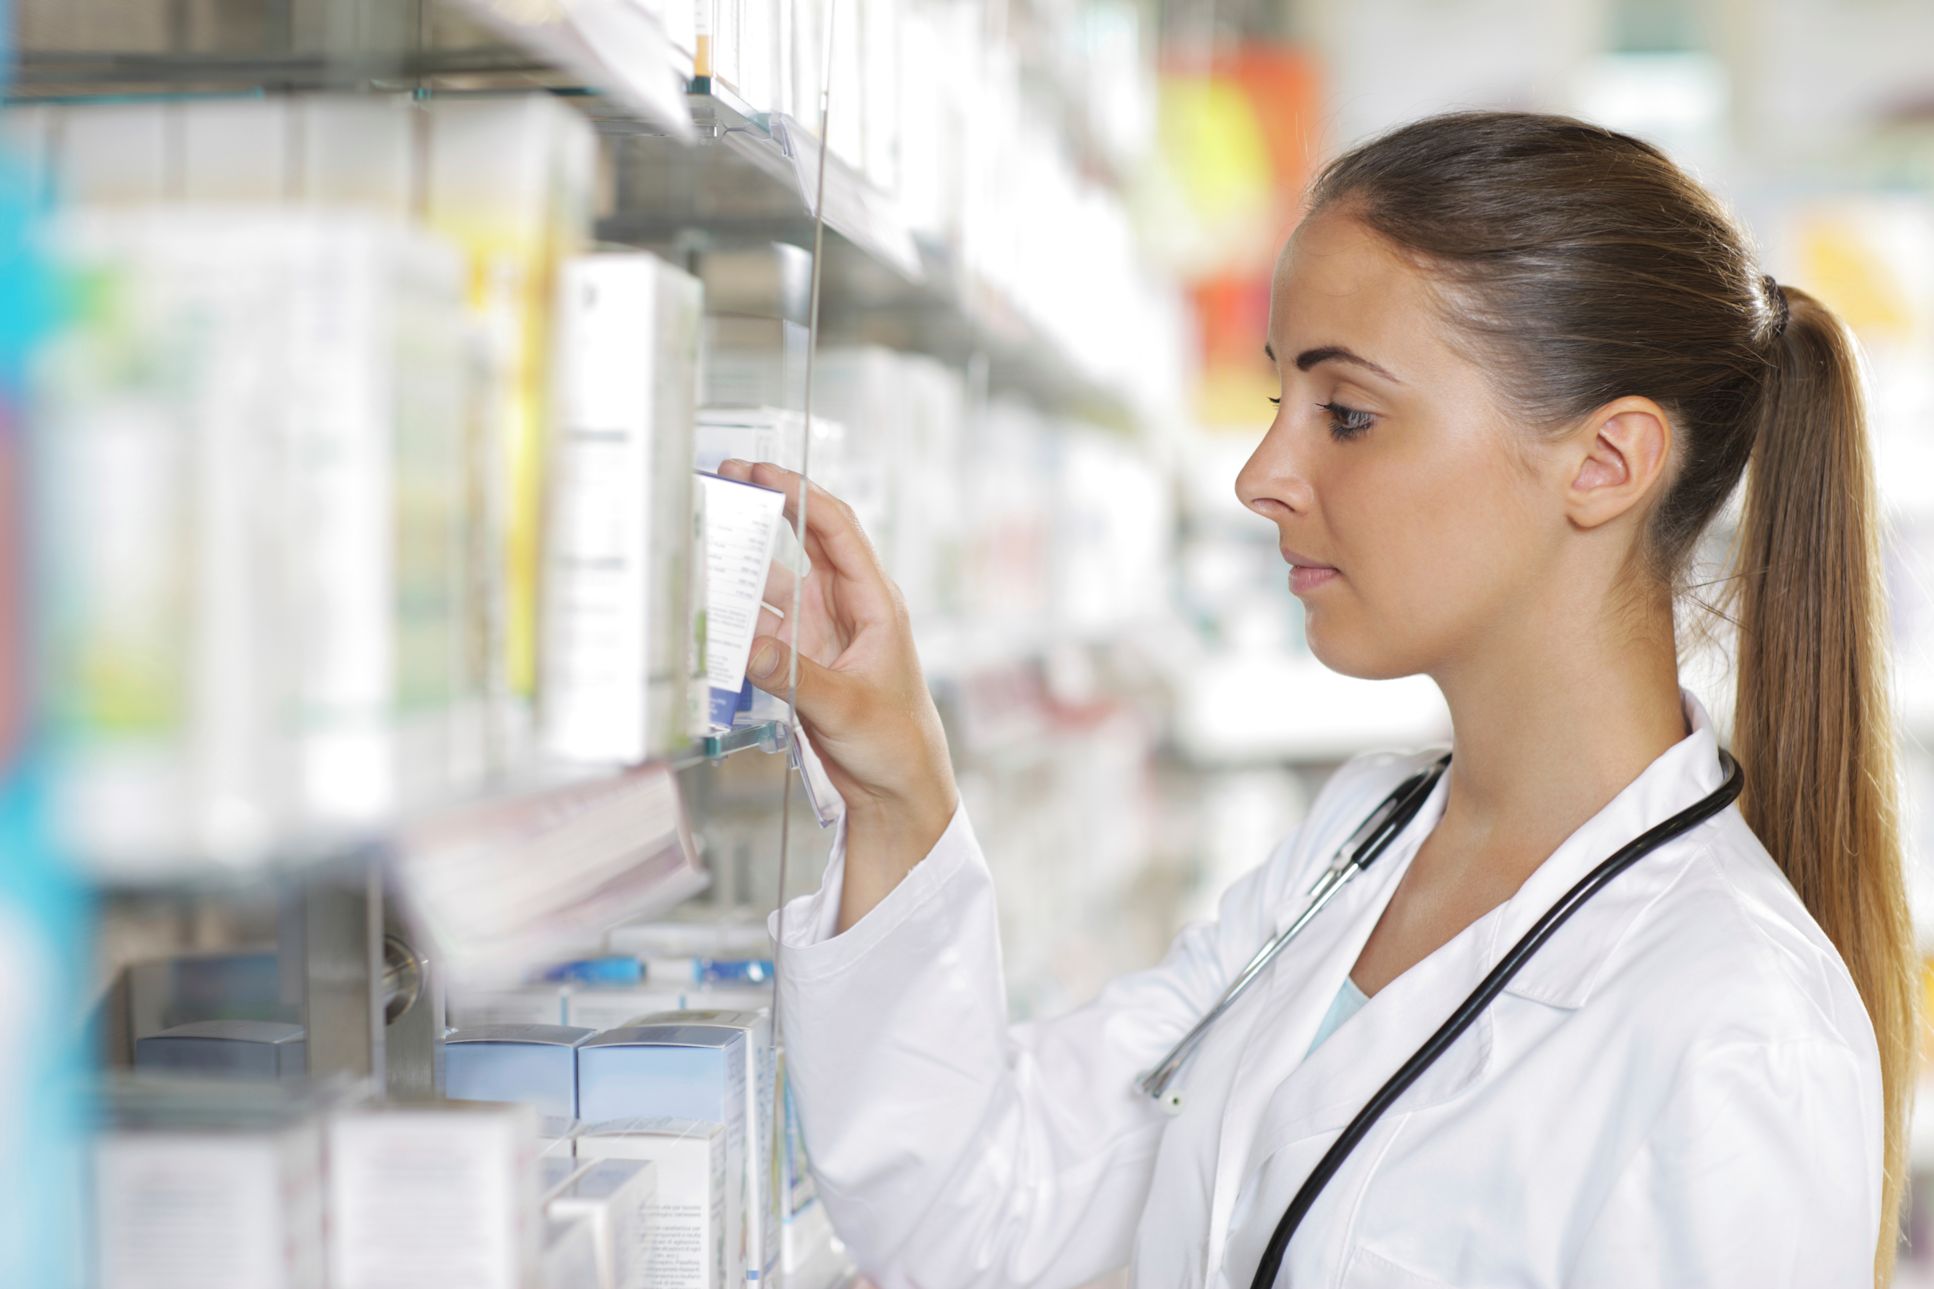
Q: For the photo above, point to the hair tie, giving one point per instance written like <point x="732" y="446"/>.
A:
<point x="1776" y="300"/>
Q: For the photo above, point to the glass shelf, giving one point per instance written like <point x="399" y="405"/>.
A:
<point x="767" y="736"/>
<point x="318" y="853"/>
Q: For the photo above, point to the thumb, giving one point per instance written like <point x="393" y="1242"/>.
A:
<point x="823" y="693"/>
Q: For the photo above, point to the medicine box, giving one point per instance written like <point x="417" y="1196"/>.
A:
<point x="532" y="1064"/>
<point x="602" y="1007"/>
<point x="687" y="1218"/>
<point x="435" y="1194"/>
<point x="249" y="1049"/>
<point x="683" y="1071"/>
<point x="208" y="1208"/>
<point x="615" y="1196"/>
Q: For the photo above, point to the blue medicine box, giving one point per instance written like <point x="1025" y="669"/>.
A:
<point x="244" y="1049"/>
<point x="669" y="1070"/>
<point x="536" y="1065"/>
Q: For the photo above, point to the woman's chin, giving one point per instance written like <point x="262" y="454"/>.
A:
<point x="1356" y="658"/>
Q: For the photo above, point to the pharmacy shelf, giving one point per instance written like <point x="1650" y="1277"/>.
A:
<point x="753" y="177"/>
<point x="767" y="736"/>
<point x="760" y="180"/>
<point x="953" y="316"/>
<point x="519" y="802"/>
<point x="619" y="49"/>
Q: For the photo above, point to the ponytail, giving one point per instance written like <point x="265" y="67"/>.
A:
<point x="1813" y="721"/>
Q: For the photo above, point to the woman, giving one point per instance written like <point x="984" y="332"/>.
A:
<point x="1523" y="363"/>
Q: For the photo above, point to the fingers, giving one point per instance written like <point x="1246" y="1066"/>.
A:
<point x="829" y="521"/>
<point x="825" y="698"/>
<point x="780" y="581"/>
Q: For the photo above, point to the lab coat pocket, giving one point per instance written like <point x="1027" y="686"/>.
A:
<point x="1368" y="1269"/>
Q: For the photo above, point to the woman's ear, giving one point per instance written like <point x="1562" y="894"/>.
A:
<point x="1618" y="461"/>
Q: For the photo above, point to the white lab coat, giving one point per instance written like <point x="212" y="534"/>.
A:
<point x="1680" y="1089"/>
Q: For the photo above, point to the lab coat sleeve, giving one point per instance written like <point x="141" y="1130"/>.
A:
<point x="1763" y="1171"/>
<point x="953" y="1150"/>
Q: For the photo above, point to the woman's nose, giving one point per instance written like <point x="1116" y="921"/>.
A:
<point x="1270" y="482"/>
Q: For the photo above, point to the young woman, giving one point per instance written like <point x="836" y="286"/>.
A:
<point x="1524" y="361"/>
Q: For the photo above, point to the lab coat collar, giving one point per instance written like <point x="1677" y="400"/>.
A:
<point x="1564" y="971"/>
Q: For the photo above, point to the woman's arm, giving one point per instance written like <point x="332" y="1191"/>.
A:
<point x="951" y="1149"/>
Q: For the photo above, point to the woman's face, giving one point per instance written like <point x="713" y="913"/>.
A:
<point x="1388" y="460"/>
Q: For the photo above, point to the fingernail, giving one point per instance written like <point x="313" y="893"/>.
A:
<point x="764" y="659"/>
<point x="730" y="461"/>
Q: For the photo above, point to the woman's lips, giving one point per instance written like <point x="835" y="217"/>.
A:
<point x="1306" y="574"/>
<point x="1304" y="580"/>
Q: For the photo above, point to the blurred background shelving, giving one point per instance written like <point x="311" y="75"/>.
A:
<point x="1048" y="229"/>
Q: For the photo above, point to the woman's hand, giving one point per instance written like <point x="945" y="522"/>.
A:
<point x="861" y="695"/>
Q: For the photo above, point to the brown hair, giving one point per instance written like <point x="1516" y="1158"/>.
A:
<point x="1582" y="265"/>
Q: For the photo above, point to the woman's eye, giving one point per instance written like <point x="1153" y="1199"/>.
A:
<point x="1346" y="422"/>
<point x="1275" y="402"/>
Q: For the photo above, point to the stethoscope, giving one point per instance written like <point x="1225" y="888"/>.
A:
<point x="1370" y="839"/>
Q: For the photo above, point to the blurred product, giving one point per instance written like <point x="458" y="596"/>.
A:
<point x="724" y="996"/>
<point x="806" y="1230"/>
<point x="749" y="434"/>
<point x="780" y="436"/>
<point x="610" y="969"/>
<point x="248" y="1049"/>
<point x="199" y="1206"/>
<point x="760" y="280"/>
<point x="616" y="611"/>
<point x="223" y="684"/>
<point x="556" y="1140"/>
<point x="698" y="688"/>
<point x="236" y="150"/>
<point x="509" y="180"/>
<point x="724" y="936"/>
<point x="570" y="1257"/>
<point x="688" y="1217"/>
<point x="434" y="1194"/>
<point x="757" y="310"/>
<point x="116" y="154"/>
<point x="540" y="1004"/>
<point x="606" y="1007"/>
<point x="615" y="1196"/>
<point x="360" y="151"/>
<point x="709" y="971"/>
<point x="534" y="1065"/>
<point x="513" y="884"/>
<point x="903" y="413"/>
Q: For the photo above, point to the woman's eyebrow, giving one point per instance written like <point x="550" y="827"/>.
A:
<point x="1328" y="353"/>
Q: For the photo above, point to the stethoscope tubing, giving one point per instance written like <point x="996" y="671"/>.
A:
<point x="1389" y="819"/>
<point x="1481" y="997"/>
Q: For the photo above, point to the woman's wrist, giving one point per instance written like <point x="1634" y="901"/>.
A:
<point x="913" y="817"/>
<point x="885" y="839"/>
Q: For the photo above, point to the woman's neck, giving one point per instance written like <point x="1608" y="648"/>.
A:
<point x="1547" y="733"/>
